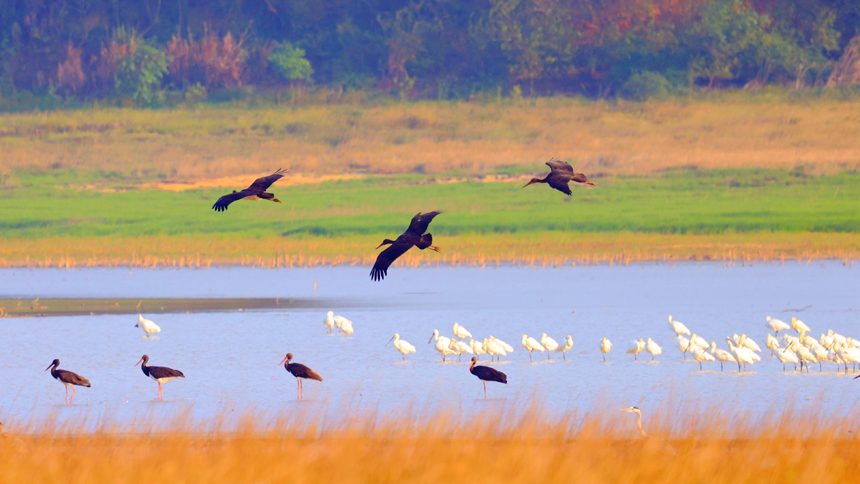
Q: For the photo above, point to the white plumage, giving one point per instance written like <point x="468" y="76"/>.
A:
<point x="548" y="343"/>
<point x="146" y="325"/>
<point x="402" y="346"/>
<point x="532" y="344"/>
<point x="461" y="332"/>
<point x="678" y="327"/>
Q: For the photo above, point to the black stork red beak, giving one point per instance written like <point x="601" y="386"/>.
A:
<point x="533" y="180"/>
<point x="590" y="183"/>
<point x="385" y="242"/>
<point x="142" y="359"/>
<point x="286" y="358"/>
<point x="53" y="364"/>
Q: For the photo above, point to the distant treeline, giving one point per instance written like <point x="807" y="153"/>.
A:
<point x="145" y="50"/>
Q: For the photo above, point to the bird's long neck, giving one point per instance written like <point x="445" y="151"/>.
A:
<point x="639" y="424"/>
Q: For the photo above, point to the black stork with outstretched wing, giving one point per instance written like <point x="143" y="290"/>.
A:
<point x="414" y="236"/>
<point x="560" y="174"/>
<point x="257" y="191"/>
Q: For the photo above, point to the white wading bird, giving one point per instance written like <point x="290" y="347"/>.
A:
<point x="343" y="324"/>
<point x="653" y="348"/>
<point x="532" y="344"/>
<point x="493" y="348"/>
<point x="461" y="332"/>
<point x="460" y="347"/>
<point x="147" y="326"/>
<point x="443" y="344"/>
<point x="401" y="345"/>
<point x="477" y="347"/>
<point x="636" y="347"/>
<point x="329" y="322"/>
<point x="548" y="343"/>
<point x="799" y="326"/>
<point x="605" y="346"/>
<point x="683" y="344"/>
<point x="722" y="356"/>
<point x="638" y="419"/>
<point x="508" y="348"/>
<point x="701" y="355"/>
<point x="776" y="325"/>
<point x="678" y="327"/>
<point x="741" y="354"/>
<point x="788" y="355"/>
<point x="568" y="344"/>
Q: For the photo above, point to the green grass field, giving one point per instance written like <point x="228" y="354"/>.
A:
<point x="675" y="202"/>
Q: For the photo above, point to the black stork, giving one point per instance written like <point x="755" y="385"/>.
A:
<point x="485" y="374"/>
<point x="300" y="371"/>
<point x="560" y="174"/>
<point x="257" y="191"/>
<point x="161" y="374"/>
<point x="68" y="379"/>
<point x="414" y="236"/>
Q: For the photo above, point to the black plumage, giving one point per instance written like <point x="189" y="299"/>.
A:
<point x="413" y="236"/>
<point x="560" y="174"/>
<point x="68" y="379"/>
<point x="257" y="191"/>
<point x="161" y="374"/>
<point x="300" y="371"/>
<point x="485" y="374"/>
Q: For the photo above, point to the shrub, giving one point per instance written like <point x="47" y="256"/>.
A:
<point x="644" y="85"/>
<point x="291" y="63"/>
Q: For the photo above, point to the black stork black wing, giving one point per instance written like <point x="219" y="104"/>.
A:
<point x="259" y="186"/>
<point x="159" y="372"/>
<point x="420" y="222"/>
<point x="71" y="378"/>
<point x="486" y="373"/>
<point x="389" y="255"/>
<point x="263" y="183"/>
<point x="299" y="370"/>
<point x="558" y="165"/>
<point x="226" y="200"/>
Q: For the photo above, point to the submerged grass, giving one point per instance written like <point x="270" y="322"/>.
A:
<point x="705" y="446"/>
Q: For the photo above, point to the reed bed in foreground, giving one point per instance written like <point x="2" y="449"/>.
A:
<point x="548" y="249"/>
<point x="597" y="447"/>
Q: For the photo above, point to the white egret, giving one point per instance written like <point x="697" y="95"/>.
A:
<point x="653" y="348"/>
<point x="678" y="327"/>
<point x="638" y="419"/>
<point x="460" y="347"/>
<point x="461" y="332"/>
<point x="343" y="324"/>
<point x="401" y="345"/>
<point x="493" y="348"/>
<point x="442" y="344"/>
<point x="741" y="354"/>
<point x="508" y="348"/>
<point x="683" y="344"/>
<point x="776" y="325"/>
<point x="329" y="322"/>
<point x="805" y="356"/>
<point x="532" y="344"/>
<point x="721" y="355"/>
<point x="697" y="340"/>
<point x="548" y="343"/>
<point x="477" y="347"/>
<point x="147" y="326"/>
<point x="568" y="344"/>
<point x="799" y="325"/>
<point x="636" y="347"/>
<point x="748" y="343"/>
<point x="772" y="343"/>
<point x="701" y="355"/>
<point x="787" y="355"/>
<point x="605" y="346"/>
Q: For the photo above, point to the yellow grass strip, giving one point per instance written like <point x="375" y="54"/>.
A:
<point x="538" y="250"/>
<point x="482" y="450"/>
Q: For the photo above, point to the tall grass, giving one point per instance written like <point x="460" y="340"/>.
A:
<point x="436" y="137"/>
<point x="709" y="446"/>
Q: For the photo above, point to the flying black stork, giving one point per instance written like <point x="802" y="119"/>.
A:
<point x="161" y="374"/>
<point x="485" y="374"/>
<point x="300" y="371"/>
<point x="257" y="191"/>
<point x="414" y="236"/>
<point x="560" y="174"/>
<point x="68" y="379"/>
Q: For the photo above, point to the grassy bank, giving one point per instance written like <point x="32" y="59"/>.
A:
<point x="733" y="131"/>
<point x="575" y="448"/>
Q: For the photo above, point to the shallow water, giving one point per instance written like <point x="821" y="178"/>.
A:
<point x="231" y="359"/>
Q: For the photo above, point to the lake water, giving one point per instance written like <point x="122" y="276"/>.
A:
<point x="230" y="359"/>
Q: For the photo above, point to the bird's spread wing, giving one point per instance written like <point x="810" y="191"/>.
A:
<point x="557" y="165"/>
<point x="421" y="221"/>
<point x="265" y="182"/>
<point x="559" y="182"/>
<point x="386" y="257"/>
<point x="222" y="202"/>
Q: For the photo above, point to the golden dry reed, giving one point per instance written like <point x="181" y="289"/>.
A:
<point x="707" y="446"/>
<point x="436" y="137"/>
<point x="552" y="249"/>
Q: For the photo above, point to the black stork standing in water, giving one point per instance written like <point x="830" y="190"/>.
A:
<point x="257" y="191"/>
<point x="68" y="379"/>
<point x="161" y="374"/>
<point x="485" y="374"/>
<point x="414" y="236"/>
<point x="300" y="371"/>
<point x="560" y="174"/>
